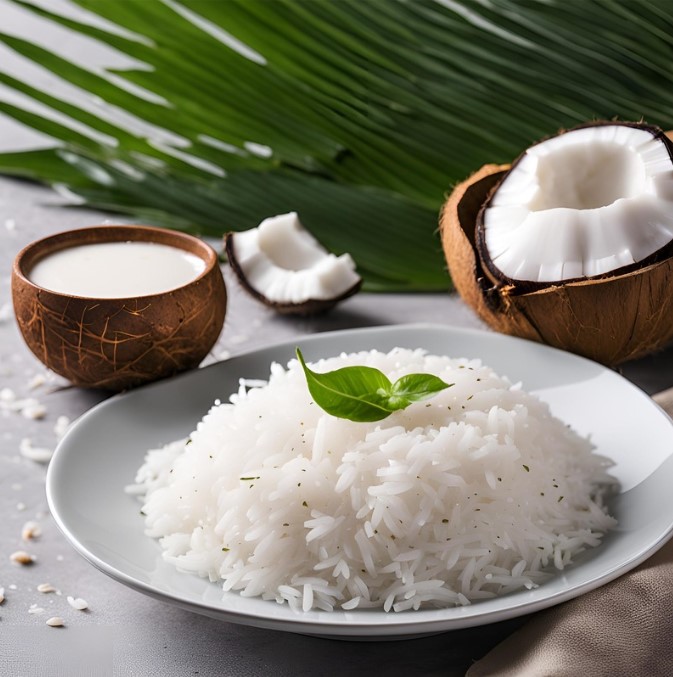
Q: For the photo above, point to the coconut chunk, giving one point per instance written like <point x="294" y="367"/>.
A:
<point x="284" y="266"/>
<point x="582" y="204"/>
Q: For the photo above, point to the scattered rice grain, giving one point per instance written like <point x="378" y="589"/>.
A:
<point x="61" y="426"/>
<point x="77" y="603"/>
<point x="22" y="557"/>
<point x="30" y="531"/>
<point x="36" y="381"/>
<point x="46" y="588"/>
<point x="34" y="411"/>
<point x="7" y="395"/>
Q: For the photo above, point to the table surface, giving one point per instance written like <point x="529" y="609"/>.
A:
<point x="124" y="632"/>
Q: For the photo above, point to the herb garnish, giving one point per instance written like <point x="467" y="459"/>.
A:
<point x="365" y="393"/>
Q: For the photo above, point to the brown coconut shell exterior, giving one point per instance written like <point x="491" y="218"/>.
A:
<point x="117" y="344"/>
<point x="610" y="320"/>
<point x="308" y="307"/>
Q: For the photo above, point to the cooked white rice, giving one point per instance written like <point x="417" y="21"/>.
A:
<point x="465" y="496"/>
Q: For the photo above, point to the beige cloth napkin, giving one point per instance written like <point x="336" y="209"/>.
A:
<point x="624" y="628"/>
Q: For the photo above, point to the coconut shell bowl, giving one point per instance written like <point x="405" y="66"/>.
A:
<point x="119" y="343"/>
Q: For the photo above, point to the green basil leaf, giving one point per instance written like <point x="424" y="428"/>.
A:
<point x="417" y="387"/>
<point x="365" y="393"/>
<point x="350" y="392"/>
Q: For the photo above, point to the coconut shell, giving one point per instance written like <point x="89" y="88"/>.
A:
<point x="119" y="343"/>
<point x="610" y="320"/>
<point x="308" y="307"/>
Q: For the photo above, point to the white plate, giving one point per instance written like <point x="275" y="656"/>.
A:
<point x="100" y="454"/>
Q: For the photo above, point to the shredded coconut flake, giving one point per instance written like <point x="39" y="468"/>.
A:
<point x="37" y="454"/>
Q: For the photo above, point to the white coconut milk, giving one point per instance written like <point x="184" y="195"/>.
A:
<point x="116" y="269"/>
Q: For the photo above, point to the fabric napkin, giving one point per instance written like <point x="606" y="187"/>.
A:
<point x="624" y="628"/>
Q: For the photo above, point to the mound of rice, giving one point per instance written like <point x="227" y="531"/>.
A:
<point x="465" y="496"/>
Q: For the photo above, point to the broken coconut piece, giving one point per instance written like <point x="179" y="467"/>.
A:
<point x="572" y="245"/>
<point x="285" y="267"/>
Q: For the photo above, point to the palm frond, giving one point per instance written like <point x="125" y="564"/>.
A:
<point x="358" y="115"/>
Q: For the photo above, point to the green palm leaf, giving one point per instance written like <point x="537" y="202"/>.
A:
<point x="358" y="114"/>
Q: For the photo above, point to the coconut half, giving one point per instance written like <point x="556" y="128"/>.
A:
<point x="281" y="264"/>
<point x="572" y="244"/>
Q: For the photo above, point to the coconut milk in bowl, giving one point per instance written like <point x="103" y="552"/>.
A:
<point x="117" y="306"/>
<point x="117" y="269"/>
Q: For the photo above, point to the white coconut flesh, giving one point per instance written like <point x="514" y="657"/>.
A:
<point x="581" y="204"/>
<point x="282" y="261"/>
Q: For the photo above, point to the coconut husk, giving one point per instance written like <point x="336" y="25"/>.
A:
<point x="610" y="320"/>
